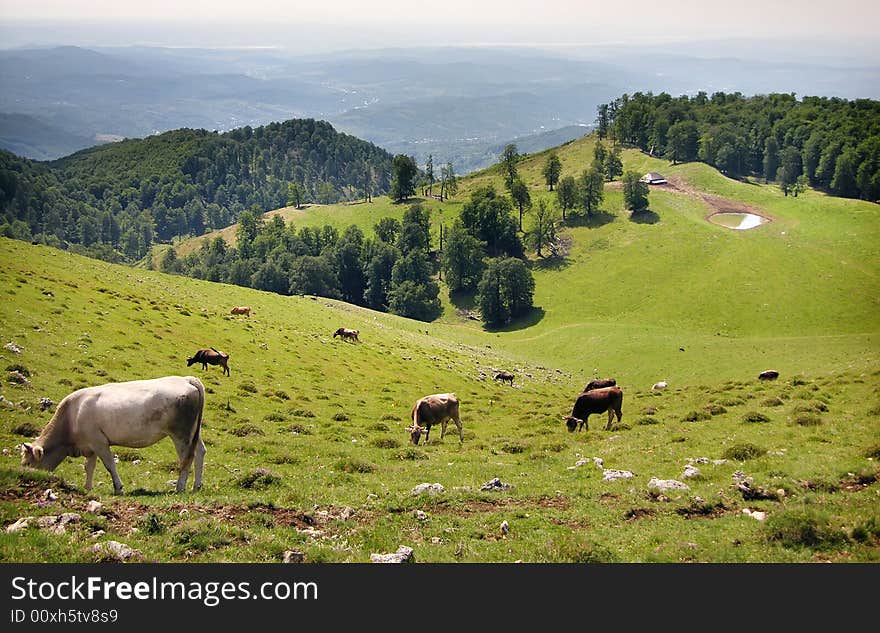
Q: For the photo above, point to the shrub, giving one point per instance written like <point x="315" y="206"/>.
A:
<point x="24" y="371"/>
<point x="379" y="426"/>
<point x="647" y="420"/>
<point x="299" y="429"/>
<point x="755" y="416"/>
<point x="716" y="409"/>
<point x="259" y="479"/>
<point x="693" y="416"/>
<point x="808" y="420"/>
<point x="772" y="402"/>
<point x="867" y="530"/>
<point x="513" y="448"/>
<point x="246" y="429"/>
<point x="732" y="402"/>
<point x="26" y="429"/>
<point x="742" y="452"/>
<point x="151" y="524"/>
<point x="795" y="529"/>
<point x="275" y="416"/>
<point x="247" y="387"/>
<point x="302" y="413"/>
<point x="352" y="465"/>
<point x="411" y="453"/>
<point x="873" y="452"/>
<point x="385" y="442"/>
<point x="340" y="417"/>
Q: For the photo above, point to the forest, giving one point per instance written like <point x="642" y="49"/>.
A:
<point x="114" y="201"/>
<point x="831" y="144"/>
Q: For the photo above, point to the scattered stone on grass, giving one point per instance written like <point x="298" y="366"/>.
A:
<point x="293" y="556"/>
<point x="755" y="514"/>
<point x="431" y="489"/>
<point x="22" y="524"/>
<point x="505" y="528"/>
<point x="403" y="554"/>
<point x="667" y="484"/>
<point x="46" y="403"/>
<point x="611" y="474"/>
<point x="421" y="515"/>
<point x="690" y="472"/>
<point x="12" y="347"/>
<point x="114" y="551"/>
<point x="496" y="484"/>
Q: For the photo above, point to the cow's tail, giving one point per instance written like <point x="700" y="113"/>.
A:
<point x="195" y="382"/>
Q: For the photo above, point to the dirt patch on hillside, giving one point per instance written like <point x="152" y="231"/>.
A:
<point x="716" y="203"/>
<point x="474" y="506"/>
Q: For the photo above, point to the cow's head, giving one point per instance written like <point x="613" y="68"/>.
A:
<point x="415" y="433"/>
<point x="31" y="454"/>
<point x="190" y="361"/>
<point x="572" y="423"/>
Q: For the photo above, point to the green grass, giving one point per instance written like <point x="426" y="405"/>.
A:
<point x="307" y="445"/>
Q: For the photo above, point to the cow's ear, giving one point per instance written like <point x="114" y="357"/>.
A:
<point x="38" y="452"/>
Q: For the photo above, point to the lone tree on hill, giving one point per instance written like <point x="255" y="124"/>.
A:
<point x="403" y="174"/>
<point x="509" y="157"/>
<point x="592" y="190"/>
<point x="567" y="194"/>
<point x="635" y="192"/>
<point x="520" y="194"/>
<point x="543" y="231"/>
<point x="505" y="291"/>
<point x="613" y="163"/>
<point x="552" y="170"/>
<point x="429" y="174"/>
<point x="448" y="182"/>
<point x="294" y="195"/>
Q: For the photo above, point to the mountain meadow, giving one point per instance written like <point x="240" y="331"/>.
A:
<point x="307" y="443"/>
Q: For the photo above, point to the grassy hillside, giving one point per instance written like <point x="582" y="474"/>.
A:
<point x="306" y="447"/>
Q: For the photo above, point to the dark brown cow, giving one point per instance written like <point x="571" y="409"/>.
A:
<point x="438" y="408"/>
<point x="346" y="334"/>
<point x="210" y="357"/>
<point x="770" y="374"/>
<point x="245" y="310"/>
<point x="505" y="376"/>
<point x="600" y="383"/>
<point x="607" y="399"/>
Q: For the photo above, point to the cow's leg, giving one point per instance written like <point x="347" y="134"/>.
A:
<point x="185" y="461"/>
<point x="443" y="427"/>
<point x="91" y="460"/>
<point x="610" y="418"/>
<point x="427" y="433"/>
<point x="199" y="460"/>
<point x="457" y="421"/>
<point x="107" y="459"/>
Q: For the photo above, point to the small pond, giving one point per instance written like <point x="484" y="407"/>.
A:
<point x="738" y="221"/>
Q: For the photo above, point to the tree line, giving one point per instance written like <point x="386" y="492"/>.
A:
<point x="114" y="201"/>
<point x="829" y="143"/>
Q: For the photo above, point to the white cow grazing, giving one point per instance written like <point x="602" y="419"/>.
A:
<point x="659" y="385"/>
<point x="134" y="414"/>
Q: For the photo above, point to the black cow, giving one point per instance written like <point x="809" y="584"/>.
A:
<point x="599" y="383"/>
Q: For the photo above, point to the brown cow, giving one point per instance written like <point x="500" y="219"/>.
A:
<point x="607" y="399"/>
<point x="600" y="383"/>
<point x="438" y="408"/>
<point x="245" y="310"/>
<point x="505" y="376"/>
<point x="769" y="374"/>
<point x="210" y="357"/>
<point x="345" y="334"/>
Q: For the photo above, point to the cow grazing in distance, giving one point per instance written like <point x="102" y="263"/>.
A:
<point x="608" y="399"/>
<point x="210" y="357"/>
<point x="135" y="414"/>
<point x="347" y="335"/>
<point x="438" y="408"/>
<point x="659" y="385"/>
<point x="245" y="310"/>
<point x="600" y="383"/>
<point x="769" y="374"/>
<point x="505" y="376"/>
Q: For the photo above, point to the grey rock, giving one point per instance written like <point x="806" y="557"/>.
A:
<point x="690" y="472"/>
<point x="496" y="484"/>
<point x="22" y="524"/>
<point x="293" y="556"/>
<point x="667" y="484"/>
<point x="420" y="515"/>
<point x="403" y="554"/>
<point x="432" y="489"/>
<point x="115" y="551"/>
<point x="610" y="474"/>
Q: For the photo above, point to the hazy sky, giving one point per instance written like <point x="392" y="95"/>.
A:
<point x="409" y="22"/>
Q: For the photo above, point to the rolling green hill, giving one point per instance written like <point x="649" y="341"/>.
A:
<point x="306" y="441"/>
